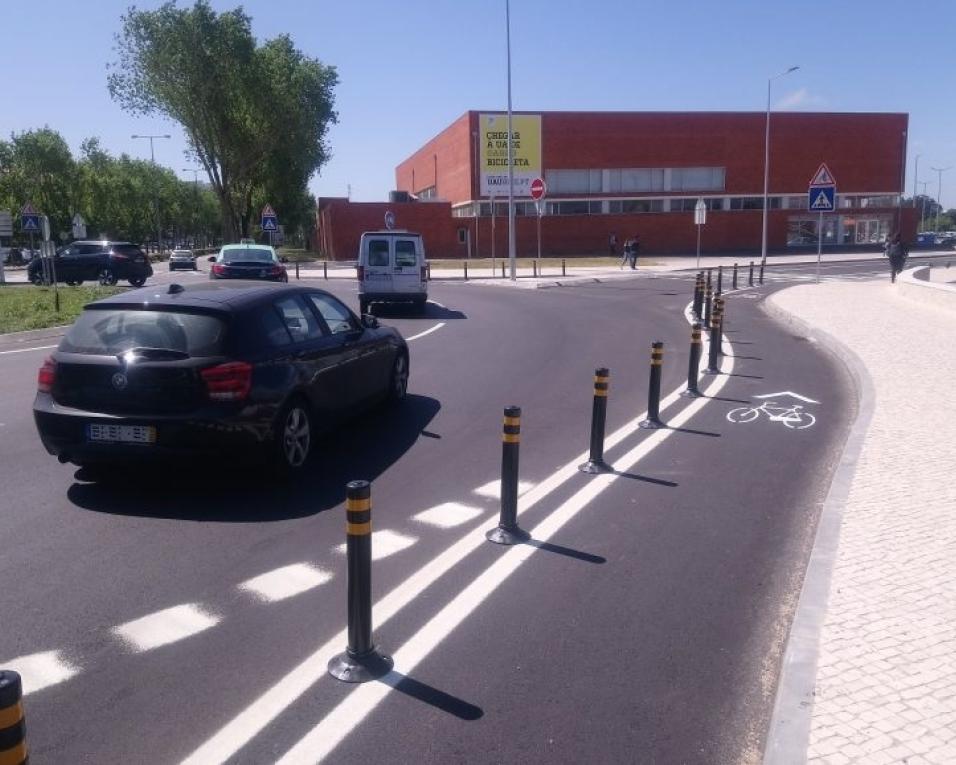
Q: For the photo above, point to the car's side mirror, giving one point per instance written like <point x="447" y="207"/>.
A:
<point x="369" y="321"/>
<point x="211" y="258"/>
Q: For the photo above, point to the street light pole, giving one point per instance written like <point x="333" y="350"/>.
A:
<point x="766" y="165"/>
<point x="511" y="169"/>
<point x="939" y="193"/>
<point x="195" y="173"/>
<point x="922" y="214"/>
<point x="916" y="177"/>
<point x="477" y="193"/>
<point x="152" y="158"/>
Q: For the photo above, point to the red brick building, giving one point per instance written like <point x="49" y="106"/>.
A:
<point x="642" y="173"/>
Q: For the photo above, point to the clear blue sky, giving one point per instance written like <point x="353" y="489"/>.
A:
<point x="409" y="68"/>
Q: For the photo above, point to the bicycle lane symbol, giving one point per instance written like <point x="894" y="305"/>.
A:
<point x="793" y="416"/>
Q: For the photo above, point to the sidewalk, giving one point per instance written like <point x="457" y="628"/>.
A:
<point x="870" y="670"/>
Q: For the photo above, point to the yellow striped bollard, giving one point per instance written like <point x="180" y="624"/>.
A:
<point x="507" y="532"/>
<point x="654" y="388"/>
<point x="596" y="463"/>
<point x="13" y="729"/>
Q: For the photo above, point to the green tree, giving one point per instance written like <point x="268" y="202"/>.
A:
<point x="256" y="117"/>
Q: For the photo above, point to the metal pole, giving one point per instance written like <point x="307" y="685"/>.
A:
<point x="511" y="169"/>
<point x="539" y="237"/>
<point x="478" y="199"/>
<point x="493" y="234"/>
<point x="698" y="245"/>
<point x="939" y="194"/>
<point x="766" y="165"/>
<point x="819" y="244"/>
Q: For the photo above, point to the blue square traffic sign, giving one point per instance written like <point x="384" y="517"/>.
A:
<point x="821" y="198"/>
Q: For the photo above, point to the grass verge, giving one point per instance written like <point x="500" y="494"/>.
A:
<point x="29" y="307"/>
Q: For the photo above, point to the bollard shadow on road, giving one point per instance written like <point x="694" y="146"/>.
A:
<point x="566" y="551"/>
<point x="693" y="432"/>
<point x="646" y="479"/>
<point x="432" y="696"/>
<point x="431" y="311"/>
<point x="728" y="400"/>
<point x="246" y="492"/>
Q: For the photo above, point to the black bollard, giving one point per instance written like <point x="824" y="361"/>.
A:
<point x="750" y="280"/>
<point x="563" y="269"/>
<point x="325" y="269"/>
<point x="709" y="281"/>
<point x="13" y="730"/>
<point x="698" y="306"/>
<point x="712" y="368"/>
<point x="693" y="366"/>
<point x="502" y="269"/>
<point x="507" y="532"/>
<point x="735" y="276"/>
<point x="719" y="313"/>
<point x="534" y="268"/>
<point x="297" y="269"/>
<point x="596" y="463"/>
<point x="654" y="388"/>
<point x="361" y="660"/>
<point x="708" y="305"/>
<point x="720" y="279"/>
<point x="465" y="264"/>
<point x="761" y="273"/>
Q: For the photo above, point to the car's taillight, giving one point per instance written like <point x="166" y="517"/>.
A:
<point x="228" y="382"/>
<point x="276" y="271"/>
<point x="218" y="268"/>
<point x="46" y="376"/>
<point x="361" y="273"/>
<point x="424" y="274"/>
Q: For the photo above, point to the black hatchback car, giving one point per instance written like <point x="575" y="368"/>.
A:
<point x="217" y="368"/>
<point x="100" y="261"/>
<point x="247" y="261"/>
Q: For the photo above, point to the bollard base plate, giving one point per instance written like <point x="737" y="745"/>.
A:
<point x="512" y="536"/>
<point x="594" y="467"/>
<point x="711" y="371"/>
<point x="360" y="669"/>
<point x="651" y="424"/>
<point x="691" y="393"/>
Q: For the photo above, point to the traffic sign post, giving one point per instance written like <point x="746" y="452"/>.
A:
<point x="538" y="191"/>
<point x="821" y="196"/>
<point x="700" y="218"/>
<point x="269" y="222"/>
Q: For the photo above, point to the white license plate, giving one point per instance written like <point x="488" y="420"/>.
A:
<point x="124" y="434"/>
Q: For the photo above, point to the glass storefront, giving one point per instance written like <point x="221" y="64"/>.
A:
<point x="843" y="229"/>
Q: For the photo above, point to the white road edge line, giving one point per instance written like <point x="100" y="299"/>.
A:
<point x="426" y="332"/>
<point x="25" y="350"/>
<point x="319" y="742"/>
<point x="235" y="734"/>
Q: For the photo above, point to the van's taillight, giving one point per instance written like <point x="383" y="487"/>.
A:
<point x="228" y="382"/>
<point x="424" y="274"/>
<point x="46" y="376"/>
<point x="361" y="273"/>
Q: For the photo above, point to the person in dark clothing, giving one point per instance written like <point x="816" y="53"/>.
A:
<point x="635" y="246"/>
<point x="612" y="243"/>
<point x="896" y="253"/>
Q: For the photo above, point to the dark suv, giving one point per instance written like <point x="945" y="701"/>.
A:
<point x="101" y="261"/>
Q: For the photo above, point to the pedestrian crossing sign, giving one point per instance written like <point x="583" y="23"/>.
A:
<point x="823" y="176"/>
<point x="822" y="198"/>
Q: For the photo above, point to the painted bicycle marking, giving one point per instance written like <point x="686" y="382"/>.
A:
<point x="794" y="416"/>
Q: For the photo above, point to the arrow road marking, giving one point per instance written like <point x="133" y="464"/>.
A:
<point x="788" y="393"/>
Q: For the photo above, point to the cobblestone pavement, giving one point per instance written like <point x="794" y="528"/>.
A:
<point x="885" y="683"/>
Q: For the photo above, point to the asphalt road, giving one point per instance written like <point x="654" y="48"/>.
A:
<point x="644" y="623"/>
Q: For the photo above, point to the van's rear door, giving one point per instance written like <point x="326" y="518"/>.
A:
<point x="378" y="268"/>
<point x="407" y="271"/>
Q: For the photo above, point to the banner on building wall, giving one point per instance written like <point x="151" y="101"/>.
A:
<point x="526" y="148"/>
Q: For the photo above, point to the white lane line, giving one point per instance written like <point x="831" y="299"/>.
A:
<point x="435" y="302"/>
<point x="448" y="515"/>
<point x="166" y="626"/>
<point x="285" y="582"/>
<point x="385" y="543"/>
<point x="426" y="332"/>
<point x="492" y="489"/>
<point x="319" y="742"/>
<point x="26" y="350"/>
<point x="235" y="734"/>
<point x="40" y="670"/>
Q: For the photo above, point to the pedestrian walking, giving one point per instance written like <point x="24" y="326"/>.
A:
<point x="896" y="253"/>
<point x="635" y="246"/>
<point x="626" y="253"/>
<point x="612" y="243"/>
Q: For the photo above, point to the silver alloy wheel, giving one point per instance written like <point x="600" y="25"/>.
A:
<point x="296" y="437"/>
<point x="107" y="278"/>
<point x="400" y="378"/>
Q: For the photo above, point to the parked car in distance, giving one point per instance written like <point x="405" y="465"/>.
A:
<point x="236" y="369"/>
<point x="182" y="259"/>
<point x="247" y="261"/>
<point x="391" y="269"/>
<point x="101" y="261"/>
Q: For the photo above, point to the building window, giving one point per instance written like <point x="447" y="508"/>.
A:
<point x="801" y="232"/>
<point x="428" y="193"/>
<point x="796" y="203"/>
<point x="568" y="181"/>
<point x="568" y="208"/>
<point x="746" y="203"/>
<point x="697" y="179"/>
<point x="887" y="200"/>
<point x="629" y="206"/>
<point x="462" y="235"/>
<point x="688" y="205"/>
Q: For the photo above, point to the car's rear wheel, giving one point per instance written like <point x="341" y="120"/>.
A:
<point x="106" y="277"/>
<point x="139" y="281"/>
<point x="37" y="277"/>
<point x="363" y="306"/>
<point x="293" y="442"/>
<point x="398" y="384"/>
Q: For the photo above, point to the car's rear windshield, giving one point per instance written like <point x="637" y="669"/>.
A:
<point x="110" y="332"/>
<point x="246" y="255"/>
<point x="127" y="249"/>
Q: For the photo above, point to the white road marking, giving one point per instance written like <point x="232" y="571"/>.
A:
<point x="26" y="350"/>
<point x="787" y="393"/>
<point x="235" y="734"/>
<point x="41" y="670"/>
<point x="166" y="626"/>
<point x="285" y="582"/>
<point x="492" y="489"/>
<point x="435" y="302"/>
<point x="385" y="543"/>
<point x="448" y="515"/>
<point x="426" y="332"/>
<point x="319" y="742"/>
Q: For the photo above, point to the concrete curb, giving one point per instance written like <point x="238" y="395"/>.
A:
<point x="789" y="735"/>
<point x="34" y="334"/>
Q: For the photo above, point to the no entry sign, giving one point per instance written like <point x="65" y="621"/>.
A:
<point x="538" y="189"/>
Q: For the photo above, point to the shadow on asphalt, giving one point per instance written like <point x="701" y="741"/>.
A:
<point x="694" y="432"/>
<point x="442" y="701"/>
<point x="362" y="448"/>
<point x="408" y="311"/>
<point x="645" y="479"/>
<point x="566" y="551"/>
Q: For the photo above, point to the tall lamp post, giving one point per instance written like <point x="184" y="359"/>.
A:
<point x="939" y="193"/>
<point x="477" y="192"/>
<point x="511" y="168"/>
<point x="766" y="164"/>
<point x="152" y="158"/>
<point x="922" y="214"/>
<point x="195" y="172"/>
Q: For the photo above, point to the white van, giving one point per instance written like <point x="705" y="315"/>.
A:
<point x="391" y="269"/>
